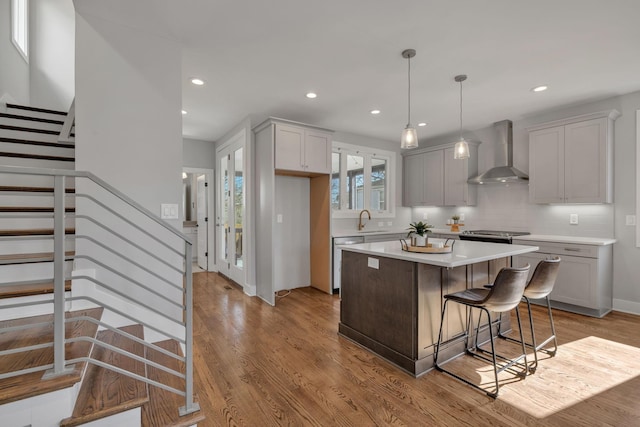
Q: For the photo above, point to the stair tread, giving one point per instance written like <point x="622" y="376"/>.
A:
<point x="105" y="392"/>
<point x="32" y="209"/>
<point x="69" y="145"/>
<point x="162" y="409"/>
<point x="32" y="119"/>
<point x="37" y="156"/>
<point x="21" y="189"/>
<point x="29" y="385"/>
<point x="40" y="110"/>
<point x="28" y="258"/>
<point x="28" y="129"/>
<point x="33" y="232"/>
<point x="28" y="289"/>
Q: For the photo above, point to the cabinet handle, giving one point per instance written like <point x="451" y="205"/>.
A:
<point x="572" y="250"/>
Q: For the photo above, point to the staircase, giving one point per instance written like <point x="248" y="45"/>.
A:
<point x="95" y="291"/>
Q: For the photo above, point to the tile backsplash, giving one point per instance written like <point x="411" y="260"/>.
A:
<point x="507" y="207"/>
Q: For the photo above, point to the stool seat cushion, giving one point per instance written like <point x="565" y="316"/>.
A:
<point x="474" y="296"/>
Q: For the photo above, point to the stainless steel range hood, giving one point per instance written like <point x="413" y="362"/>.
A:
<point x="503" y="172"/>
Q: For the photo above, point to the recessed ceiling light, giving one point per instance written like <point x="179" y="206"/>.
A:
<point x="311" y="95"/>
<point x="196" y="81"/>
<point x="184" y="112"/>
<point x="374" y="112"/>
<point x="540" y="88"/>
<point x="422" y="124"/>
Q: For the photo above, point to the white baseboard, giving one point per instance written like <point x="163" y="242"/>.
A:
<point x="250" y="290"/>
<point x="625" y="306"/>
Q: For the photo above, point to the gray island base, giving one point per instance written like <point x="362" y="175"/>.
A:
<point x="391" y="300"/>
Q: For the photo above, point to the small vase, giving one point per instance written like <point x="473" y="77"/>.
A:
<point x="421" y="240"/>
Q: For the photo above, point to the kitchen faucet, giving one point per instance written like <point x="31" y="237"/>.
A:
<point x="360" y="224"/>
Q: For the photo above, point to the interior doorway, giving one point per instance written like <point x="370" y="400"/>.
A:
<point x="198" y="206"/>
<point x="230" y="214"/>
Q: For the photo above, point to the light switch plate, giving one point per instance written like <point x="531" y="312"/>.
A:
<point x="630" y="220"/>
<point x="279" y="218"/>
<point x="573" y="219"/>
<point x="168" y="211"/>
<point x="373" y="263"/>
<point x="462" y="217"/>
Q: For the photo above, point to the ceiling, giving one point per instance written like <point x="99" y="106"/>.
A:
<point x="260" y="58"/>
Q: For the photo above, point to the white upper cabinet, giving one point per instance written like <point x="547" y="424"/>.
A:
<point x="301" y="149"/>
<point x="432" y="177"/>
<point x="571" y="161"/>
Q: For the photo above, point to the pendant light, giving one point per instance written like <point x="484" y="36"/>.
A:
<point x="409" y="135"/>
<point x="461" y="150"/>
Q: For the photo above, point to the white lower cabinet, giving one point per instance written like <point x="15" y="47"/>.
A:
<point x="584" y="282"/>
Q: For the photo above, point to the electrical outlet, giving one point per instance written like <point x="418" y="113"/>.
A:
<point x="573" y="219"/>
<point x="389" y="223"/>
<point x="380" y="223"/>
<point x="279" y="218"/>
<point x="425" y="216"/>
<point x="462" y="217"/>
<point x="630" y="220"/>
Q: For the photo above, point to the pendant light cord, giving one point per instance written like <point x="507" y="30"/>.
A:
<point x="460" y="109"/>
<point x="409" y="91"/>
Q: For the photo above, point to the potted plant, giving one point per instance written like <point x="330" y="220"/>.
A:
<point x="456" y="219"/>
<point x="419" y="230"/>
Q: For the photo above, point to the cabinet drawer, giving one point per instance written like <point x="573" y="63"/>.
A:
<point x="554" y="248"/>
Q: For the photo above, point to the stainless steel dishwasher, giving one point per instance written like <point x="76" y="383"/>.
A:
<point x="337" y="256"/>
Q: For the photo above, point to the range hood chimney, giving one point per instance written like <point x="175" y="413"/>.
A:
<point x="503" y="172"/>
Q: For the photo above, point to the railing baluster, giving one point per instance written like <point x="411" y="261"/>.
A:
<point x="58" y="278"/>
<point x="190" y="406"/>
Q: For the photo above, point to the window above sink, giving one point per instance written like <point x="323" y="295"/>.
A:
<point x="362" y="178"/>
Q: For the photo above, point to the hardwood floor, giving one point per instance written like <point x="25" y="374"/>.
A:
<point x="257" y="365"/>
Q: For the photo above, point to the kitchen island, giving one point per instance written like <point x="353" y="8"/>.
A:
<point x="391" y="300"/>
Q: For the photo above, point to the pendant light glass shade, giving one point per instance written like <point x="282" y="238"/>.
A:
<point x="409" y="137"/>
<point x="461" y="149"/>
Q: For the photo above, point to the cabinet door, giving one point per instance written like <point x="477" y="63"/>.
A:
<point x="434" y="178"/>
<point x="456" y="189"/>
<point x="317" y="152"/>
<point x="289" y="147"/>
<point x="576" y="282"/>
<point x="585" y="161"/>
<point x="546" y="165"/>
<point x="413" y="183"/>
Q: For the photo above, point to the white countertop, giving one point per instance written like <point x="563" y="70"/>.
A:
<point x="464" y="252"/>
<point x="374" y="232"/>
<point x="567" y="239"/>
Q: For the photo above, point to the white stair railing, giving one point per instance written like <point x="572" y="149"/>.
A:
<point x="151" y="239"/>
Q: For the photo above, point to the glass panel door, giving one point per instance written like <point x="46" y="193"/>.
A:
<point x="231" y="212"/>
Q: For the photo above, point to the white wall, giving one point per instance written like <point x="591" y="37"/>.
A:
<point x="291" y="241"/>
<point x="52" y="56"/>
<point x="129" y="133"/>
<point x="507" y="207"/>
<point x="198" y="154"/>
<point x="14" y="70"/>
<point x="402" y="214"/>
<point x="129" y="125"/>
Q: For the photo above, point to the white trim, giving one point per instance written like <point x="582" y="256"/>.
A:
<point x="637" y="177"/>
<point x="625" y="306"/>
<point x="22" y="50"/>
<point x="211" y="213"/>
<point x="391" y="186"/>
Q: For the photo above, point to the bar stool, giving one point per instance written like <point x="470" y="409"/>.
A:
<point x="505" y="295"/>
<point x="540" y="286"/>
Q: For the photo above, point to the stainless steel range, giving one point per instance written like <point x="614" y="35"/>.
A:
<point x="494" y="236"/>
